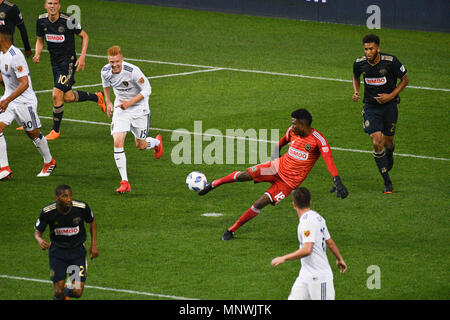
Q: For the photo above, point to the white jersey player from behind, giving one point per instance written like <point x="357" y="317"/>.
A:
<point x="315" y="279"/>
<point x="19" y="103"/>
<point x="131" y="111"/>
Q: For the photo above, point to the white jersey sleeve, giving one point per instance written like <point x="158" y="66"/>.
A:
<point x="142" y="82"/>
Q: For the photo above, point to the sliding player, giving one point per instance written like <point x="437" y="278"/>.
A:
<point x="285" y="173"/>
<point x="131" y="111"/>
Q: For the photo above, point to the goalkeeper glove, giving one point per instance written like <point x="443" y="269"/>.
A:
<point x="339" y="188"/>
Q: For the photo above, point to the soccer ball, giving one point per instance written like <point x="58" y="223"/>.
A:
<point x="196" y="181"/>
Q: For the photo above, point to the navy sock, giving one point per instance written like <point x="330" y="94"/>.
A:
<point x="57" y="116"/>
<point x="81" y="96"/>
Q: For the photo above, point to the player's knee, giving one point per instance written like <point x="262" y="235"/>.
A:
<point x="243" y="176"/>
<point x="262" y="202"/>
<point x="59" y="292"/>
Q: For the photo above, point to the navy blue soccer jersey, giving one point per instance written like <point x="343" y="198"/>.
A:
<point x="66" y="230"/>
<point x="379" y="78"/>
<point x="60" y="37"/>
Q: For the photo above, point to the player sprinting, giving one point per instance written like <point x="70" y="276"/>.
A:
<point x="130" y="111"/>
<point x="19" y="103"/>
<point x="287" y="172"/>
<point x="315" y="279"/>
<point x="381" y="98"/>
<point x="59" y="31"/>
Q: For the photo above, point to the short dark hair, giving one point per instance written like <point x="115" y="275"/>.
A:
<point x="61" y="188"/>
<point x="302" y="115"/>
<point x="369" y="38"/>
<point x="5" y="33"/>
<point x="302" y="197"/>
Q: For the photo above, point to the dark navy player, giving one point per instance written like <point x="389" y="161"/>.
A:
<point x="59" y="31"/>
<point x="10" y="17"/>
<point x="67" y="254"/>
<point x="381" y="96"/>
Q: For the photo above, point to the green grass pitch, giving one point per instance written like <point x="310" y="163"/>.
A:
<point x="155" y="240"/>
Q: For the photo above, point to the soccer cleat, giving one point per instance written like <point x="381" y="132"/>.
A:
<point x="228" y="235"/>
<point x="158" y="150"/>
<point x="124" y="187"/>
<point x="205" y="190"/>
<point x="53" y="135"/>
<point x="388" y="189"/>
<point x="101" y="102"/>
<point x="5" y="173"/>
<point x="20" y="128"/>
<point x="47" y="169"/>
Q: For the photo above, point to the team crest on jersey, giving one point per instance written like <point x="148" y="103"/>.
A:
<point x="307" y="233"/>
<point x="383" y="72"/>
<point x="19" y="69"/>
<point x="125" y="83"/>
<point x="76" y="220"/>
<point x="142" y="80"/>
<point x="61" y="29"/>
<point x="308" y="147"/>
<point x="2" y="15"/>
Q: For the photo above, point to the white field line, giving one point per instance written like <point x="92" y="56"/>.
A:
<point x="153" y="77"/>
<point x="183" y="131"/>
<point x="4" y="276"/>
<point x="251" y="71"/>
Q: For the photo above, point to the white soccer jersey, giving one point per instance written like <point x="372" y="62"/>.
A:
<point x="315" y="267"/>
<point x="126" y="85"/>
<point x="14" y="66"/>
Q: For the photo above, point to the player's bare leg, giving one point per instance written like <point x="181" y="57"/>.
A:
<point x="58" y="289"/>
<point x="121" y="161"/>
<point x="236" y="176"/>
<point x="252" y="212"/>
<point x="381" y="159"/>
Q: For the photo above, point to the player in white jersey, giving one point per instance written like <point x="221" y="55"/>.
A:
<point x="315" y="279"/>
<point x="19" y="103"/>
<point x="130" y="111"/>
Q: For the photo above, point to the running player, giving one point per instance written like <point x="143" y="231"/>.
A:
<point x="131" y="111"/>
<point x="285" y="173"/>
<point x="59" y="29"/>
<point x="67" y="254"/>
<point x="381" y="97"/>
<point x="315" y="279"/>
<point x="19" y="103"/>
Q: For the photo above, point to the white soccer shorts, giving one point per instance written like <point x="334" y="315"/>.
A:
<point x="24" y="115"/>
<point x="138" y="126"/>
<point x="320" y="290"/>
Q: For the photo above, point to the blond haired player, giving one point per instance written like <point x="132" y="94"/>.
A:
<point x="315" y="279"/>
<point x="130" y="111"/>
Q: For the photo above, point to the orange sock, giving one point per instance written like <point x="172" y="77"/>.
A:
<point x="227" y="179"/>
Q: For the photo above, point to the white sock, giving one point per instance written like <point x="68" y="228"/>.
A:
<point x="42" y="146"/>
<point x="3" y="153"/>
<point x="121" y="162"/>
<point x="152" y="142"/>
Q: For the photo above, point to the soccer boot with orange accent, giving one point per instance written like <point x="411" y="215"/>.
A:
<point x="388" y="189"/>
<point x="124" y="187"/>
<point x="20" y="128"/>
<point x="47" y="169"/>
<point x="158" y="150"/>
<point x="101" y="101"/>
<point x="5" y="173"/>
<point x="53" y="135"/>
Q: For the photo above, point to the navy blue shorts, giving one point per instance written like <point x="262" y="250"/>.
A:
<point x="380" y="117"/>
<point x="64" y="76"/>
<point x="67" y="261"/>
